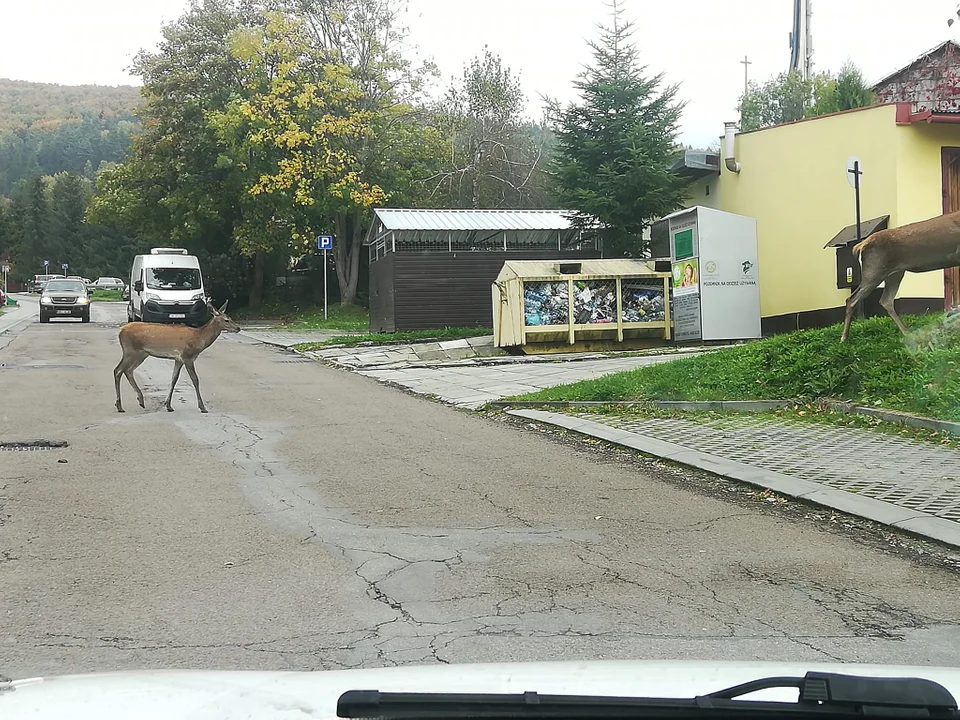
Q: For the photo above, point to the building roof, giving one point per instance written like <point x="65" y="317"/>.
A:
<point x="697" y="163"/>
<point x="588" y="268"/>
<point x="408" y="219"/>
<point x="922" y="56"/>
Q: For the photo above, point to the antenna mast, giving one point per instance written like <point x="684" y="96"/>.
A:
<point x="801" y="40"/>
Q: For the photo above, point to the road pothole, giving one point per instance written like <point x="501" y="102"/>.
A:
<point x="26" y="445"/>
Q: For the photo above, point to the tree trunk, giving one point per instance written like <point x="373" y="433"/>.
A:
<point x="256" y="290"/>
<point x="349" y="245"/>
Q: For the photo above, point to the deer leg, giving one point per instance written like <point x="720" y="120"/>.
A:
<point x="177" y="366"/>
<point x="887" y="298"/>
<point x="117" y="372"/>
<point x="128" y="372"/>
<point x="125" y="367"/>
<point x="868" y="283"/>
<point x="192" y="372"/>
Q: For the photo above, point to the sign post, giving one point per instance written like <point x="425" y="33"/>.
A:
<point x="46" y="266"/>
<point x="6" y="269"/>
<point x="65" y="266"/>
<point x="854" y="172"/>
<point x="324" y="243"/>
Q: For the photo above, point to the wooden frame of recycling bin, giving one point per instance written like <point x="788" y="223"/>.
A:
<point x="509" y="293"/>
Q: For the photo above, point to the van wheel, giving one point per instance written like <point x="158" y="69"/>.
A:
<point x="86" y="317"/>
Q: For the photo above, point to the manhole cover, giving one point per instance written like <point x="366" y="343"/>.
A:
<point x="32" y="444"/>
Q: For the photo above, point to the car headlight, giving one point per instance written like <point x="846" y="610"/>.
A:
<point x="83" y="301"/>
<point x="198" y="296"/>
<point x="150" y="296"/>
<point x="46" y="301"/>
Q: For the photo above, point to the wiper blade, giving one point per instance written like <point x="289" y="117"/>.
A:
<point x="824" y="696"/>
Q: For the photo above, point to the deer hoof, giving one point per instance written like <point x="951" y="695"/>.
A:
<point x="169" y="409"/>
<point x="203" y="410"/>
<point x="120" y="409"/>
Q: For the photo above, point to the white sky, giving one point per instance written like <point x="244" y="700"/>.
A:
<point x="696" y="42"/>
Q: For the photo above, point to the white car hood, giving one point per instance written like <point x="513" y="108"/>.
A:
<point x="209" y="695"/>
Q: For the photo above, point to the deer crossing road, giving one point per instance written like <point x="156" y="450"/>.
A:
<point x="317" y="519"/>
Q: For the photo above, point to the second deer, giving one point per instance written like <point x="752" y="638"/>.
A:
<point x="179" y="343"/>
<point x="932" y="244"/>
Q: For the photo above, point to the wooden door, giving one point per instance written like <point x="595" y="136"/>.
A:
<point x="950" y="167"/>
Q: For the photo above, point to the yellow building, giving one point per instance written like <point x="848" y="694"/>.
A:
<point x="792" y="179"/>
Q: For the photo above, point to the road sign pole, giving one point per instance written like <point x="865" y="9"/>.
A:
<point x="324" y="284"/>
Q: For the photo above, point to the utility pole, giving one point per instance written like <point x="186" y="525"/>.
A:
<point x="745" y="62"/>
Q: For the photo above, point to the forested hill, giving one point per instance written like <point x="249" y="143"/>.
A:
<point x="46" y="128"/>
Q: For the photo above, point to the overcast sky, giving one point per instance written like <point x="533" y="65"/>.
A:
<point x="697" y="43"/>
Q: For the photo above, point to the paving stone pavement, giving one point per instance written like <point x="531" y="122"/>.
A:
<point x="472" y="386"/>
<point x="898" y="481"/>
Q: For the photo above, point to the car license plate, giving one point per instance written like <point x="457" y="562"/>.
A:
<point x="177" y="316"/>
<point x="64" y="312"/>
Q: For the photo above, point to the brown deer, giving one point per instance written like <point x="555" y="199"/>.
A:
<point x="179" y="343"/>
<point x="932" y="244"/>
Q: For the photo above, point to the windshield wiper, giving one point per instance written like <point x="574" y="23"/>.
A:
<point x="825" y="696"/>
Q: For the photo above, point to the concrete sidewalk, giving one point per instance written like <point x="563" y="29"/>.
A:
<point x="904" y="483"/>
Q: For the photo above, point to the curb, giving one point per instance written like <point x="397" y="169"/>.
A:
<point x="895" y="416"/>
<point x="894" y="516"/>
<point x="692" y="405"/>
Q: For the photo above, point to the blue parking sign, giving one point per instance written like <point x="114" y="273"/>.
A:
<point x="325" y="242"/>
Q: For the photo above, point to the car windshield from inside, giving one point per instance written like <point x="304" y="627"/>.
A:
<point x="65" y="286"/>
<point x="172" y="278"/>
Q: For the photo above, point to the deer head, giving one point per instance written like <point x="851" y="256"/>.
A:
<point x="223" y="321"/>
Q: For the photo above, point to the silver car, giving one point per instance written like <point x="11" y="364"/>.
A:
<point x="64" y="298"/>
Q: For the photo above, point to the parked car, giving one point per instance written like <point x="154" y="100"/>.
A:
<point x="108" y="283"/>
<point x="61" y="297"/>
<point x="36" y="285"/>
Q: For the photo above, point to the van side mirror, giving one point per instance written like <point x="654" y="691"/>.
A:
<point x="138" y="286"/>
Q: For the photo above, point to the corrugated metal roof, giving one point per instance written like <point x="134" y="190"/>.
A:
<point x="404" y="219"/>
<point x="932" y="51"/>
<point x="546" y="268"/>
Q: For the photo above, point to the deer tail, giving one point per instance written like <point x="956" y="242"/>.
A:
<point x="858" y="248"/>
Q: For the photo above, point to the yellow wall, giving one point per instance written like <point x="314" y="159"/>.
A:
<point x="698" y="193"/>
<point x="792" y="180"/>
<point x="920" y="189"/>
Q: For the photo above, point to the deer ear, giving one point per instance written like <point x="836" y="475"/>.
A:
<point x="224" y="308"/>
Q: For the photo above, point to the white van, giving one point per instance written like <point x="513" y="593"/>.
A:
<point x="166" y="286"/>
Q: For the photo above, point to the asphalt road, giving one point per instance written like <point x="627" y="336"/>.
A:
<point x="316" y="519"/>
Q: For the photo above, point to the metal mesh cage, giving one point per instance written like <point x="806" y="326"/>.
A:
<point x="595" y="301"/>
<point x="545" y="303"/>
<point x="642" y="300"/>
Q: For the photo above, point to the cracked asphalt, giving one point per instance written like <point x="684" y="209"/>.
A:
<point x="317" y="519"/>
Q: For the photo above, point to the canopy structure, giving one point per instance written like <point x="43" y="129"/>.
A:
<point x="445" y="231"/>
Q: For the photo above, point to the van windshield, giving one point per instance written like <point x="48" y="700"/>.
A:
<point x="173" y="278"/>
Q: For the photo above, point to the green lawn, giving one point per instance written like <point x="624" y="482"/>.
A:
<point x="105" y="296"/>
<point x="877" y="366"/>
<point x="399" y="338"/>
<point x="351" y="318"/>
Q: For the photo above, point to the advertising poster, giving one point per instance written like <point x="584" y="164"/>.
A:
<point x="686" y="277"/>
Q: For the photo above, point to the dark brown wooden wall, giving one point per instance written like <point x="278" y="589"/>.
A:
<point x="381" y="294"/>
<point x="435" y="290"/>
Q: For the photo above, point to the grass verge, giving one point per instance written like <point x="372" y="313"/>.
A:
<point x="877" y="366"/>
<point x="105" y="296"/>
<point x="307" y="317"/>
<point x="399" y="338"/>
